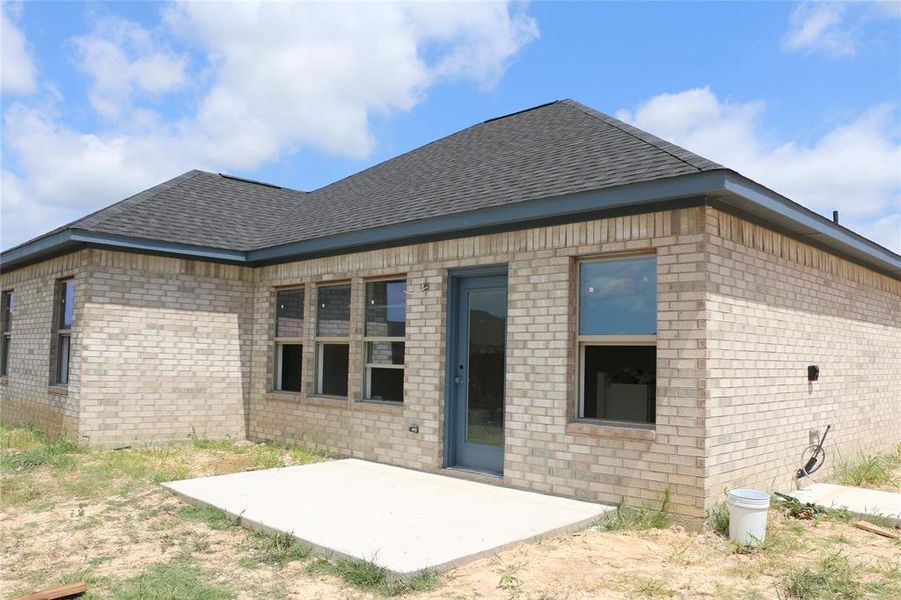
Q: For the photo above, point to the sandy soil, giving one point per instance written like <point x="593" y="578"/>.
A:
<point x="121" y="537"/>
<point x="116" y="536"/>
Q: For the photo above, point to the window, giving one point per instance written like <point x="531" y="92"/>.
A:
<point x="383" y="340"/>
<point x="332" y="340"/>
<point x="7" y="305"/>
<point x="65" y="305"/>
<point x="618" y="339"/>
<point x="289" y="340"/>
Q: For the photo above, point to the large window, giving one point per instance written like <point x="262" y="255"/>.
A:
<point x="618" y="339"/>
<point x="383" y="341"/>
<point x="64" y="309"/>
<point x="289" y="340"/>
<point x="332" y="339"/>
<point x="7" y="306"/>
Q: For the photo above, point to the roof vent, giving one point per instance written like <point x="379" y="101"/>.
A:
<point x="253" y="181"/>
<point x="835" y="217"/>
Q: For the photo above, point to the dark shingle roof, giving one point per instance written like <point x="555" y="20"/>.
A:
<point x="550" y="150"/>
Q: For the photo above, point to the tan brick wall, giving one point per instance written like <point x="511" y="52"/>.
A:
<point x="544" y="450"/>
<point x="165" y="349"/>
<point x="26" y="396"/>
<point x="774" y="307"/>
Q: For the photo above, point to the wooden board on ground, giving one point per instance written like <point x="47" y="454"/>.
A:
<point x="70" y="590"/>
<point x="877" y="530"/>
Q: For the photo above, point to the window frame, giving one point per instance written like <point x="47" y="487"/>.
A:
<point x="366" y="339"/>
<point x="280" y="341"/>
<point x="320" y="341"/>
<point x="60" y="332"/>
<point x="584" y="341"/>
<point x="7" y="299"/>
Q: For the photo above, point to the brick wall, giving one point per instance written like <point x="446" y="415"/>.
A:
<point x="544" y="450"/>
<point x="26" y="395"/>
<point x="774" y="307"/>
<point x="165" y="349"/>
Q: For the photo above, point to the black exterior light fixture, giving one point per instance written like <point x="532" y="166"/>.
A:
<point x="813" y="373"/>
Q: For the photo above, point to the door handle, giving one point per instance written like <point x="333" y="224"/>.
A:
<point x="458" y="378"/>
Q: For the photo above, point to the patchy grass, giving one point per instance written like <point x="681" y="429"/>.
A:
<point x="646" y="587"/>
<point x="636" y="518"/>
<point x="718" y="519"/>
<point x="101" y="518"/>
<point x="370" y="577"/>
<point x="832" y="578"/>
<point x="274" y="549"/>
<point x="28" y="458"/>
<point x="874" y="471"/>
<point x="213" y="517"/>
<point x="25" y="450"/>
<point x="178" y="579"/>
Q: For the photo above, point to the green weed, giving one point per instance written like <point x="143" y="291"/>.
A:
<point x="275" y="549"/>
<point x="175" y="580"/>
<point x="833" y="578"/>
<point x="868" y="471"/>
<point x="368" y="576"/>
<point x="636" y="518"/>
<point x="215" y="518"/>
<point x="718" y="519"/>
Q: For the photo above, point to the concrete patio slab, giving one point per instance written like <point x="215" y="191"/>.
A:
<point x="401" y="519"/>
<point x="857" y="500"/>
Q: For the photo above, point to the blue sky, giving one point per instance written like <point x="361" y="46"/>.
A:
<point x="101" y="100"/>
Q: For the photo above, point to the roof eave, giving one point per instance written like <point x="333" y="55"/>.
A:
<point x="720" y="187"/>
<point x="71" y="240"/>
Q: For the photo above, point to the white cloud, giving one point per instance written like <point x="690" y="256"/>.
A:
<point x="121" y="57"/>
<point x="17" y="70"/>
<point x="835" y="28"/>
<point x="820" y="26"/>
<point x="854" y="168"/>
<point x="276" y="76"/>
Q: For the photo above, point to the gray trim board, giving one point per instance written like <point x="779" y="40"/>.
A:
<point x="720" y="187"/>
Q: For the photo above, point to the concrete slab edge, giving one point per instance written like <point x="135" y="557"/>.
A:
<point x="451" y="564"/>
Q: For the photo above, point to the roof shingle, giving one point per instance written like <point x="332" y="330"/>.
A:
<point x="551" y="150"/>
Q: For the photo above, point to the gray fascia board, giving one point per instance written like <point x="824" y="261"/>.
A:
<point x="471" y="222"/>
<point x="771" y="207"/>
<point x="159" y="247"/>
<point x="72" y="239"/>
<point x="37" y="250"/>
<point x="720" y="186"/>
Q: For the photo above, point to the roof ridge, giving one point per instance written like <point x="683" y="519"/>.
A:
<point x="517" y="112"/>
<point x="633" y="131"/>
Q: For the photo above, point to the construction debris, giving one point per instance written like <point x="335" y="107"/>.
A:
<point x="877" y="530"/>
<point x="71" y="590"/>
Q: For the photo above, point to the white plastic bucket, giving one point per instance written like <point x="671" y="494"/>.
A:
<point x="747" y="516"/>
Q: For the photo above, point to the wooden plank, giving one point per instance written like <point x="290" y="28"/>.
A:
<point x="63" y="591"/>
<point x="877" y="530"/>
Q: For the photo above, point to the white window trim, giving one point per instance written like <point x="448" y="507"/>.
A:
<point x="582" y="341"/>
<point x="59" y="311"/>
<point x="368" y="366"/>
<point x="320" y="341"/>
<point x="6" y="338"/>
<point x="604" y="340"/>
<point x="280" y="341"/>
<point x="60" y="334"/>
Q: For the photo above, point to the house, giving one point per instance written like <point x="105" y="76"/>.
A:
<point x="552" y="299"/>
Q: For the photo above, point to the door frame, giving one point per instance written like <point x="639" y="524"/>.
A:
<point x="454" y="277"/>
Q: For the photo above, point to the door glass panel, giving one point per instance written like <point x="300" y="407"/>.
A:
<point x="485" y="397"/>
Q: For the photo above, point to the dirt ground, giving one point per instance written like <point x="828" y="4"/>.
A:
<point x="119" y="528"/>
